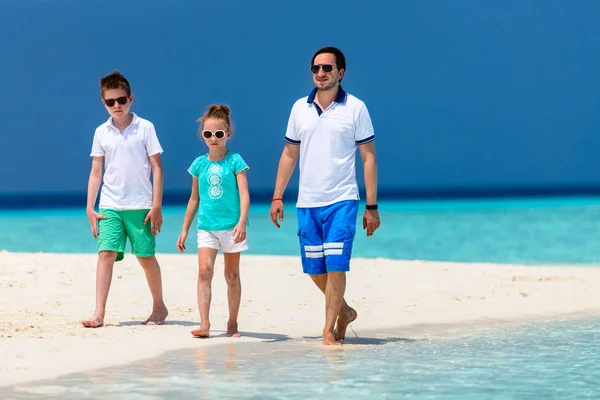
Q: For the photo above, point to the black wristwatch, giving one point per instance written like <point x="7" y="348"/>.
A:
<point x="371" y="206"/>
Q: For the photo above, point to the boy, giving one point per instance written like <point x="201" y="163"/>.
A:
<point x="129" y="207"/>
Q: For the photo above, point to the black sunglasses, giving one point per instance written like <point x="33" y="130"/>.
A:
<point x="120" y="100"/>
<point x="326" y="68"/>
<point x="218" y="134"/>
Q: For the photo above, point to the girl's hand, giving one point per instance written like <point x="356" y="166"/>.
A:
<point x="239" y="232"/>
<point x="181" y="241"/>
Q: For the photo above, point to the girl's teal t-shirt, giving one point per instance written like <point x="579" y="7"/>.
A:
<point x="219" y="207"/>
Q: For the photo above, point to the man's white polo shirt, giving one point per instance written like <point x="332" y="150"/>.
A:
<point x="328" y="141"/>
<point x="126" y="184"/>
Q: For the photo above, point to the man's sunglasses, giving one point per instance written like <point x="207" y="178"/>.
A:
<point x="218" y="134"/>
<point x="326" y="68"/>
<point x="120" y="100"/>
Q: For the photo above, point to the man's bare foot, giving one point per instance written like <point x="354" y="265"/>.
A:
<point x="329" y="339"/>
<point x="343" y="321"/>
<point x="202" y="332"/>
<point x="232" y="329"/>
<point x="94" y="322"/>
<point x="157" y="317"/>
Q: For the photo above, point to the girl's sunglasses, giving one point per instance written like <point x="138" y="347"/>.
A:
<point x="326" y="68"/>
<point x="218" y="134"/>
<point x="120" y="100"/>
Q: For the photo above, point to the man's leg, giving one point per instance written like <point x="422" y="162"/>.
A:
<point x="339" y="229"/>
<point x="143" y="245"/>
<point x="346" y="315"/>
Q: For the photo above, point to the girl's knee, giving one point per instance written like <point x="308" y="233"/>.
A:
<point x="205" y="273"/>
<point x="232" y="277"/>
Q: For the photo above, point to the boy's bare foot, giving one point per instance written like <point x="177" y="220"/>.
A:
<point x="232" y="329"/>
<point x="329" y="339"/>
<point x="202" y="332"/>
<point x="157" y="317"/>
<point x="94" y="322"/>
<point x="342" y="323"/>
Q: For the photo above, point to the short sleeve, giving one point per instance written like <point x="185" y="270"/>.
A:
<point x="239" y="165"/>
<point x="291" y="134"/>
<point x="97" y="150"/>
<point x="364" y="132"/>
<point x="152" y="144"/>
<point x="194" y="168"/>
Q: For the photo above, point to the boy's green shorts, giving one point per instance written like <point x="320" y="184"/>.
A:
<point x="122" y="224"/>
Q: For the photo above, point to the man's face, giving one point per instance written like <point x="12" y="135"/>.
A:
<point x="327" y="75"/>
<point x="112" y="100"/>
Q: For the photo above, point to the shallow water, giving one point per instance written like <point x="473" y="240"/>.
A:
<point x="541" y="360"/>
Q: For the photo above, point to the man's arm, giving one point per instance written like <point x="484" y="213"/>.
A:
<point x="287" y="163"/>
<point x="367" y="153"/>
<point x="371" y="217"/>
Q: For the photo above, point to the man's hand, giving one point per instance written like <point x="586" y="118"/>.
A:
<point x="277" y="212"/>
<point x="155" y="218"/>
<point x="371" y="221"/>
<point x="93" y="217"/>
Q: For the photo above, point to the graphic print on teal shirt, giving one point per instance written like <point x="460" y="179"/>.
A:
<point x="219" y="207"/>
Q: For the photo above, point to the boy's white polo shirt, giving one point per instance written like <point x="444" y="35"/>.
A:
<point x="127" y="168"/>
<point x="328" y="141"/>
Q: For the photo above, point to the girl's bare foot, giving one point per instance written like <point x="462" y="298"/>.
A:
<point x="96" y="321"/>
<point x="202" y="332"/>
<point x="232" y="329"/>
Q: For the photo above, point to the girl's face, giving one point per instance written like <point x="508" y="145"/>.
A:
<point x="215" y="133"/>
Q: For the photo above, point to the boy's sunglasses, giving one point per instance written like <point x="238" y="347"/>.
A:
<point x="120" y="100"/>
<point x="218" y="134"/>
<point x="326" y="68"/>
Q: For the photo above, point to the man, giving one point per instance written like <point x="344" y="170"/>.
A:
<point x="325" y="128"/>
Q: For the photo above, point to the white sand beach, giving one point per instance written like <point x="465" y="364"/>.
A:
<point x="43" y="297"/>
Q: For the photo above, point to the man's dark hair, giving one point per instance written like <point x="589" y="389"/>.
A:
<point x="340" y="60"/>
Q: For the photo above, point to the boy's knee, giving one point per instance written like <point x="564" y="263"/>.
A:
<point x="107" y="256"/>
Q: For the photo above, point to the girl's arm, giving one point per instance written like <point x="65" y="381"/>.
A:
<point x="192" y="206"/>
<point x="242" y="182"/>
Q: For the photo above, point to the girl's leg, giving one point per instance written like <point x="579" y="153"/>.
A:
<point x="234" y="291"/>
<point x="206" y="265"/>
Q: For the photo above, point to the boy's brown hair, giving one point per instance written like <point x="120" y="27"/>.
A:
<point x="114" y="80"/>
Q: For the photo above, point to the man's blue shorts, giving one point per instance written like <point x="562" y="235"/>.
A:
<point x="326" y="236"/>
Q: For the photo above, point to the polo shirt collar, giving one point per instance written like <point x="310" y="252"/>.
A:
<point x="340" y="97"/>
<point x="134" y="121"/>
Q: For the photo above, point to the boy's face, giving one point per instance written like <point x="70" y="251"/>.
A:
<point x="117" y="103"/>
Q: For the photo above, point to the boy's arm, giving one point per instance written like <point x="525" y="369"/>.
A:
<point x="155" y="214"/>
<point x="94" y="182"/>
<point x="158" y="181"/>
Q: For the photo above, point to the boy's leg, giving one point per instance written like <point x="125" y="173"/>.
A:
<point x="208" y="248"/>
<point x="232" y="252"/>
<point x="111" y="245"/>
<point x="143" y="245"/>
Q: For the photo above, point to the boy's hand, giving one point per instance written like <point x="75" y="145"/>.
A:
<point x="239" y="232"/>
<point x="155" y="217"/>
<point x="93" y="217"/>
<point x="181" y="241"/>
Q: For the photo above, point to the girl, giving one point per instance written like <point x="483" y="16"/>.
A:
<point x="220" y="195"/>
